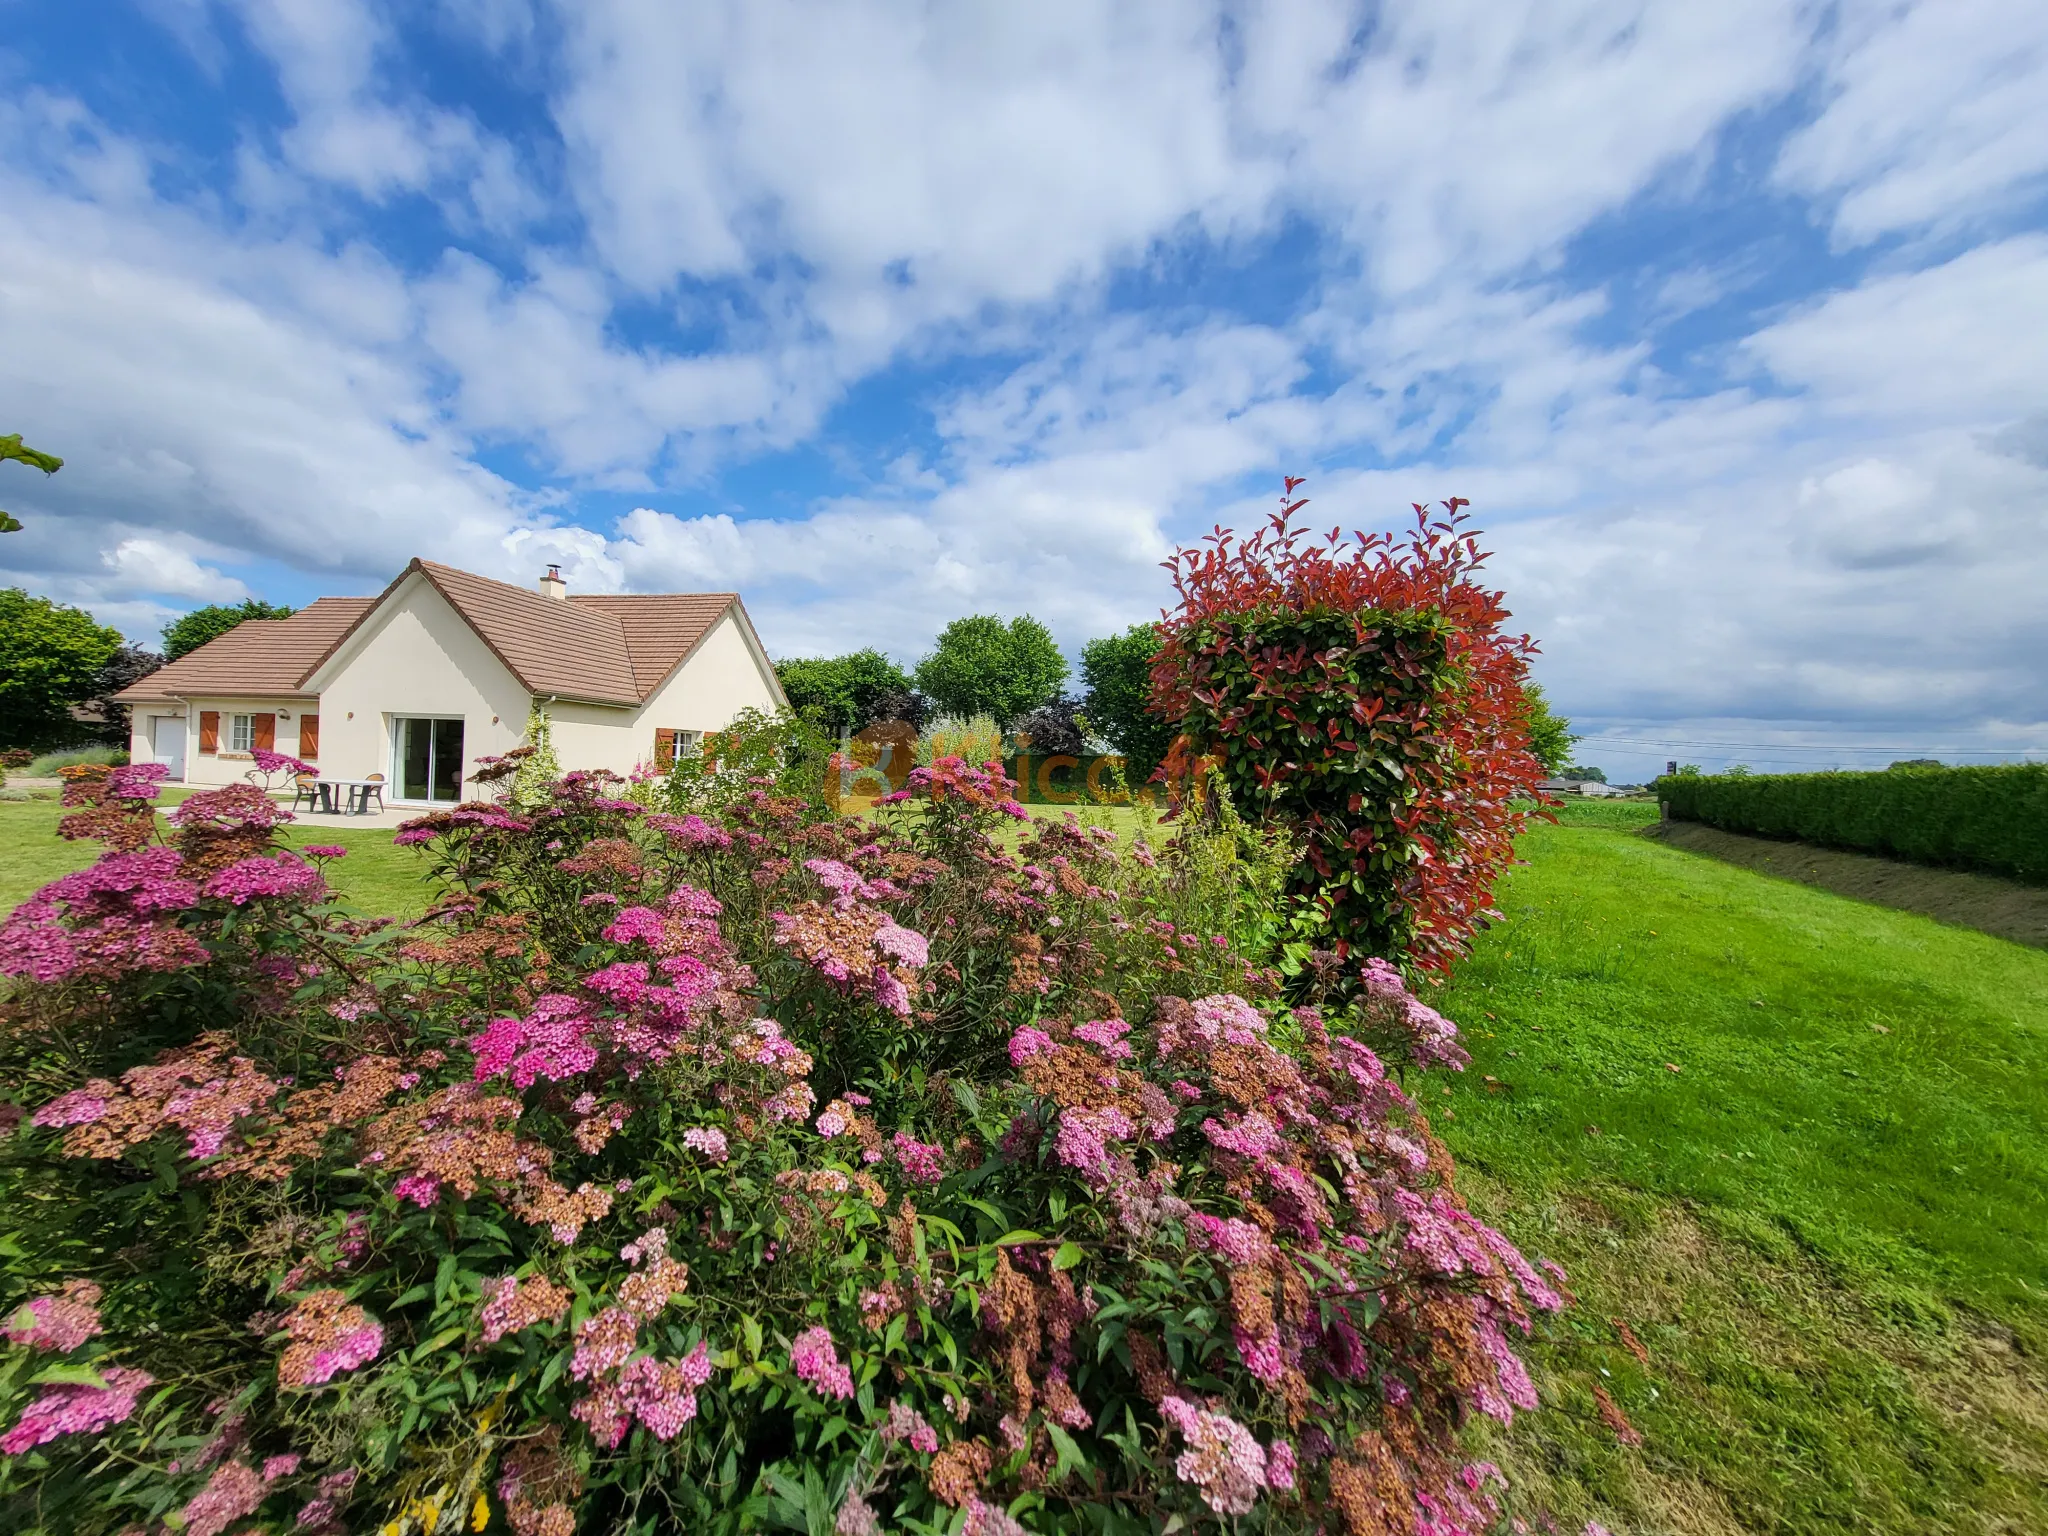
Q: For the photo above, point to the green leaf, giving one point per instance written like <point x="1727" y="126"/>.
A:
<point x="1068" y="1255"/>
<point x="1070" y="1457"/>
<point x="1011" y="1239"/>
<point x="68" y="1376"/>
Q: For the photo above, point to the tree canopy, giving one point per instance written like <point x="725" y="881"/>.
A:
<point x="51" y="657"/>
<point x="1118" y="672"/>
<point x="842" y="692"/>
<point x="187" y="634"/>
<point x="981" y="665"/>
<point x="1550" y="736"/>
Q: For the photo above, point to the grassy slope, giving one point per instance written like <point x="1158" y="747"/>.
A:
<point x="375" y="877"/>
<point x="1829" y="1227"/>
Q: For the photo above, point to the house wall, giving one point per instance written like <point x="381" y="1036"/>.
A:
<point x="721" y="678"/>
<point x="415" y="656"/>
<point x="226" y="766"/>
<point x="142" y="731"/>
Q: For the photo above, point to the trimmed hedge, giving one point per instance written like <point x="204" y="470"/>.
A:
<point x="1993" y="819"/>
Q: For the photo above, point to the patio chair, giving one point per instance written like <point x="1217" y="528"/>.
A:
<point x="373" y="785"/>
<point x="306" y="787"/>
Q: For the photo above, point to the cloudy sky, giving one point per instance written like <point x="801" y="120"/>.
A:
<point x="1730" y="319"/>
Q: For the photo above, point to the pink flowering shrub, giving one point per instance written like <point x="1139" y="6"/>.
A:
<point x="755" y="1166"/>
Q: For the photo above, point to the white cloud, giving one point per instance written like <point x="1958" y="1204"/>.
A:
<point x="150" y="565"/>
<point x="759" y="205"/>
<point x="1938" y="115"/>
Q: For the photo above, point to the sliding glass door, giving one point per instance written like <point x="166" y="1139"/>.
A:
<point x="429" y="759"/>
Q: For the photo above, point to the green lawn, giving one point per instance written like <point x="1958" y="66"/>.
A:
<point x="374" y="877"/>
<point x="1828" y="1227"/>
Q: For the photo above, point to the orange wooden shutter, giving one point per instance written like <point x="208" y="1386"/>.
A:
<point x="263" y="732"/>
<point x="664" y="749"/>
<point x="209" y="730"/>
<point x="309" y="738"/>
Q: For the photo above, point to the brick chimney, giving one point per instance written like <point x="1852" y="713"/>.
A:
<point x="552" y="585"/>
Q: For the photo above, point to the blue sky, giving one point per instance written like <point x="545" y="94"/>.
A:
<point x="1726" y="318"/>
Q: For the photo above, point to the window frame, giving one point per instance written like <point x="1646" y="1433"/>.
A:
<point x="242" y="733"/>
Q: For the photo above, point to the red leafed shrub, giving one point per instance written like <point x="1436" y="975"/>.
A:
<point x="1366" y="692"/>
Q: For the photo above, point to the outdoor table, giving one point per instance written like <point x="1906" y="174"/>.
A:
<point x="330" y="787"/>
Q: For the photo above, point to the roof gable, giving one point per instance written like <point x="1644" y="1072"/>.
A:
<point x="552" y="647"/>
<point x="660" y="629"/>
<point x="614" y="649"/>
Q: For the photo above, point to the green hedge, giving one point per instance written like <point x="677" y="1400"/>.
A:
<point x="1993" y="819"/>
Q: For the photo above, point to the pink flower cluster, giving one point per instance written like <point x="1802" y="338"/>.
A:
<point x="923" y="1163"/>
<point x="907" y="1426"/>
<point x="1028" y="1044"/>
<point x="708" y="1140"/>
<point x="265" y="875"/>
<point x="235" y="1490"/>
<point x="136" y="781"/>
<point x="68" y="1409"/>
<point x="104" y="921"/>
<point x="1222" y="1460"/>
<point x="61" y="1322"/>
<point x="1107" y="1034"/>
<point x="1432" y="1039"/>
<point x="815" y="1359"/>
<point x="1239" y="1242"/>
<point x="329" y="1335"/>
<point x="691" y="832"/>
<point x="268" y="761"/>
<point x="849" y="886"/>
<point x="549" y="1042"/>
<point x="1220" y="1020"/>
<point x="661" y="1394"/>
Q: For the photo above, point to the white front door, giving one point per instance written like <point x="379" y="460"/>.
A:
<point x="167" y="740"/>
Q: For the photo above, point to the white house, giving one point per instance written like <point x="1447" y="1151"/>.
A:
<point x="442" y="668"/>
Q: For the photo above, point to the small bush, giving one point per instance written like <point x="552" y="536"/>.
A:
<point x="1367" y="694"/>
<point x="1993" y="819"/>
<point x="46" y="766"/>
<point x="975" y="740"/>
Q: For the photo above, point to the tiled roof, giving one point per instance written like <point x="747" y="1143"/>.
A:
<point x="552" y="647"/>
<point x="258" y="658"/>
<point x="660" y="629"/>
<point x="600" y="649"/>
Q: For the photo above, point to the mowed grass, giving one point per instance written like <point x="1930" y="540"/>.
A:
<point x="374" y="877"/>
<point x="1796" y="1144"/>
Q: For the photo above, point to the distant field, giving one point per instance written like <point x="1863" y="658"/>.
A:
<point x="1827" y="1227"/>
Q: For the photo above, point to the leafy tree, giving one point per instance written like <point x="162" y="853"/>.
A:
<point x="843" y="692"/>
<point x="1585" y="775"/>
<point x="1550" y="736"/>
<point x="130" y="664"/>
<point x="12" y="447"/>
<point x="981" y="665"/>
<point x="1059" y="725"/>
<point x="51" y="657"/>
<point x="185" y="635"/>
<point x="1118" y="671"/>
